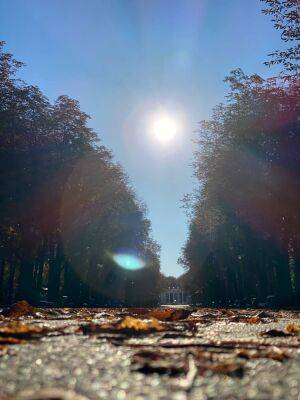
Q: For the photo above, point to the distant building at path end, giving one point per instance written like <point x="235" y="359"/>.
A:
<point x="174" y="295"/>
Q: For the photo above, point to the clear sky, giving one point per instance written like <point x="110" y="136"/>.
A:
<point x="128" y="61"/>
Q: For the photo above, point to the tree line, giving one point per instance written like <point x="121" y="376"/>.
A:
<point x="243" y="246"/>
<point x="66" y="207"/>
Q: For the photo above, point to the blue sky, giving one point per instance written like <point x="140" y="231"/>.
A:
<point x="125" y="61"/>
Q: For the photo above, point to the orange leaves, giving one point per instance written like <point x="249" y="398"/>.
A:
<point x="292" y="328"/>
<point x="162" y="314"/>
<point x="9" y="340"/>
<point x="170" y="314"/>
<point x="251" y="320"/>
<point x="131" y="324"/>
<point x="15" y="333"/>
<point x="21" y="330"/>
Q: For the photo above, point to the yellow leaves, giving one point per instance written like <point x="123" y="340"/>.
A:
<point x="21" y="330"/>
<point x="127" y="325"/>
<point x="131" y="324"/>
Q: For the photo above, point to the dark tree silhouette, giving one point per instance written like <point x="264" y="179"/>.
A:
<point x="65" y="206"/>
<point x="244" y="239"/>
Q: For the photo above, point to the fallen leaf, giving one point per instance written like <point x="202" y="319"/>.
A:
<point x="275" y="333"/>
<point x="169" y="314"/>
<point x="252" y="320"/>
<point x="292" y="328"/>
<point x="131" y="324"/>
<point x="19" y="309"/>
<point x="273" y="353"/>
<point x="10" y="340"/>
<point x="246" y="320"/>
<point x="127" y="325"/>
<point x="21" y="330"/>
<point x="93" y="328"/>
<point x="159" y="367"/>
<point x="159" y="361"/>
<point x="231" y="369"/>
<point x="277" y="354"/>
<point x="264" y="314"/>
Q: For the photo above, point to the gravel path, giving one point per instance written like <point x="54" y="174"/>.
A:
<point x="222" y="359"/>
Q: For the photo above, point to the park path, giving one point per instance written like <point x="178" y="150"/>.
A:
<point x="138" y="353"/>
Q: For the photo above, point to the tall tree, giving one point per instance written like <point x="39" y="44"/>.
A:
<point x="66" y="207"/>
<point x="245" y="225"/>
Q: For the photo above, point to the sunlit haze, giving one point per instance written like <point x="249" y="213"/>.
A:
<point x="147" y="73"/>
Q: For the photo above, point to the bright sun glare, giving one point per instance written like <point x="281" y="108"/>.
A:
<point x="164" y="128"/>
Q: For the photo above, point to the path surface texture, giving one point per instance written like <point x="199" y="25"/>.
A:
<point x="138" y="353"/>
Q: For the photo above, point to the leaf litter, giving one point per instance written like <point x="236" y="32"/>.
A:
<point x="165" y="341"/>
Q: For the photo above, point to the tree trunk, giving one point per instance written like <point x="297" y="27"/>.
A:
<point x="26" y="289"/>
<point x="11" y="281"/>
<point x="2" y="265"/>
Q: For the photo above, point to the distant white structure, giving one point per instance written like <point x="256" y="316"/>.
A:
<point x="174" y="295"/>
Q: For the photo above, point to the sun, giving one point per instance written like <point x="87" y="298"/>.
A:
<point x="164" y="128"/>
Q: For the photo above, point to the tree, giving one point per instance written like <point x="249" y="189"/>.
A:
<point x="65" y="205"/>
<point x="245" y="225"/>
<point x="285" y="17"/>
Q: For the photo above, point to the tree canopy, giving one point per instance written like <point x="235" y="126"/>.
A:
<point x="244" y="239"/>
<point x="66" y="207"/>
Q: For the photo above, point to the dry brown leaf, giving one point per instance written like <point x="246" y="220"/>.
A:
<point x="274" y="333"/>
<point x="252" y="320"/>
<point x="19" y="309"/>
<point x="169" y="314"/>
<point x="158" y="361"/>
<point x="277" y="354"/>
<point x="273" y="353"/>
<point x="127" y="325"/>
<point x="231" y="369"/>
<point x="246" y="320"/>
<point x="93" y="328"/>
<point x="10" y="340"/>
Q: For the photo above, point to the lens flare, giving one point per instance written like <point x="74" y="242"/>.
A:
<point x="128" y="261"/>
